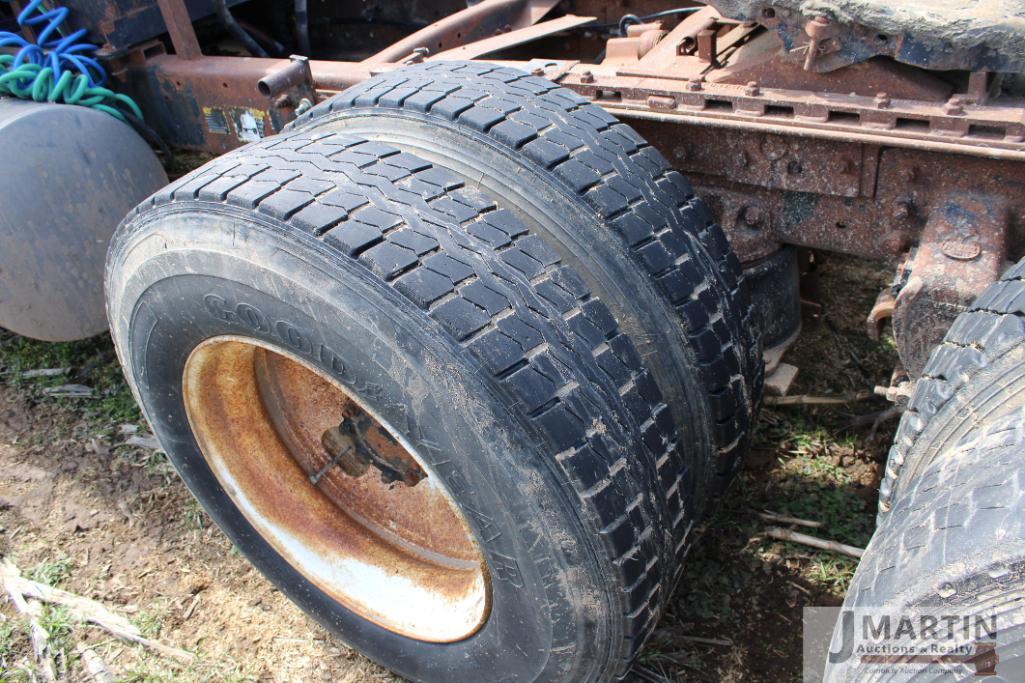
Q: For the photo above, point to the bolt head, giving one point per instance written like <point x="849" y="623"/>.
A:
<point x="818" y="27"/>
<point x="954" y="106"/>
<point x="587" y="77"/>
<point x="752" y="215"/>
<point x="902" y="211"/>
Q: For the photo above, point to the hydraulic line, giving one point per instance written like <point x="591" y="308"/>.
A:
<point x="239" y="33"/>
<point x="631" y="19"/>
<point x="302" y="27"/>
<point x="57" y="67"/>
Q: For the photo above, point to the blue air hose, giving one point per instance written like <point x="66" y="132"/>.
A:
<point x="57" y="67"/>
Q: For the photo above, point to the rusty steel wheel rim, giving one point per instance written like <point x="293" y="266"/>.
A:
<point x="339" y="494"/>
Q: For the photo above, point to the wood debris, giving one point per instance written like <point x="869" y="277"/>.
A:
<point x="82" y="609"/>
<point x="822" y="544"/>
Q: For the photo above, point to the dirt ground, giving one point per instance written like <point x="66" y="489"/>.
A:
<point x="86" y="508"/>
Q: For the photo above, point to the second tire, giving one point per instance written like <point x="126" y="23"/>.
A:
<point x="608" y="203"/>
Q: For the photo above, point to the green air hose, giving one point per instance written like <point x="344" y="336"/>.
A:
<point x="33" y="82"/>
<point x="57" y="67"/>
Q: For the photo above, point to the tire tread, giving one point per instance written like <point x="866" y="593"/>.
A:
<point x="669" y="233"/>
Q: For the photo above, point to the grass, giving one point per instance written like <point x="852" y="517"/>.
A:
<point x="832" y="571"/>
<point x="153" y="670"/>
<point x="812" y="485"/>
<point x="148" y="623"/>
<point x="739" y="586"/>
<point x="55" y="619"/>
<point x="91" y="362"/>
<point x="14" y="643"/>
<point x="58" y="623"/>
<point x="156" y="463"/>
<point x="194" y="516"/>
<point x="150" y="671"/>
<point x="10" y="634"/>
<point x="52" y="572"/>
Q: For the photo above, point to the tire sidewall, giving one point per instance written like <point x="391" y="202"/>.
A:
<point x="179" y="277"/>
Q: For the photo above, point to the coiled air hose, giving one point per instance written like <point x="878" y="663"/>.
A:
<point x="57" y="67"/>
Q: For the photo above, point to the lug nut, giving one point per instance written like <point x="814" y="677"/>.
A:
<point x="587" y="77"/>
<point x="752" y="89"/>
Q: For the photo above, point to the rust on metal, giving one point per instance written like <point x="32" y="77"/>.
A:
<point x="940" y="36"/>
<point x="396" y="552"/>
<point x="984" y="130"/>
<point x="962" y="249"/>
<point x="297" y="75"/>
<point x="481" y="20"/>
<point x="287" y="390"/>
<point x="508" y="39"/>
<point x="681" y="40"/>
<point x="706" y="40"/>
<point x="179" y="27"/>
<point x="882" y="309"/>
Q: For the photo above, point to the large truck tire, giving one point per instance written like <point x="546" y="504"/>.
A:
<point x="464" y="473"/>
<point x="973" y="378"/>
<point x="611" y="207"/>
<point x="952" y="548"/>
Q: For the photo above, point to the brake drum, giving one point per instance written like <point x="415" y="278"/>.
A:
<point x="69" y="175"/>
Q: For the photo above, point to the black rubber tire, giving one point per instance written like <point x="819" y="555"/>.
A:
<point x="974" y="377"/>
<point x="611" y="206"/>
<point x="546" y="428"/>
<point x="954" y="545"/>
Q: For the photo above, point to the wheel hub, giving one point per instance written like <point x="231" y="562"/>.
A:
<point x="335" y="491"/>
